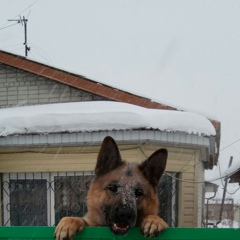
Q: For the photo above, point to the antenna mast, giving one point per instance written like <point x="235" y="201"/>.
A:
<point x="23" y="21"/>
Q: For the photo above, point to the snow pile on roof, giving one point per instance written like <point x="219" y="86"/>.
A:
<point x="233" y="169"/>
<point x="96" y="116"/>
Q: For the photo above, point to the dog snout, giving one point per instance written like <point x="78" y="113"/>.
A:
<point x="125" y="214"/>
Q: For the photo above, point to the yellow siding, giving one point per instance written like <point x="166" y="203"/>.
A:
<point x="50" y="160"/>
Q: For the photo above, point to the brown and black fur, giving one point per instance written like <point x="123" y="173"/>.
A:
<point x="122" y="195"/>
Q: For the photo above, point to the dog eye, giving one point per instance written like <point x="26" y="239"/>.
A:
<point x="113" y="188"/>
<point x="138" y="192"/>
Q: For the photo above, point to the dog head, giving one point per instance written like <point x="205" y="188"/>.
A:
<point x="122" y="194"/>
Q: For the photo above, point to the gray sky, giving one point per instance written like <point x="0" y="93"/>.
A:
<point x="182" y="53"/>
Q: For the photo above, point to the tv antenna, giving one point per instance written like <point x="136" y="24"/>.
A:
<point x="23" y="21"/>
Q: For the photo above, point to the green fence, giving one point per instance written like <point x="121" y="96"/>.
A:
<point x="103" y="233"/>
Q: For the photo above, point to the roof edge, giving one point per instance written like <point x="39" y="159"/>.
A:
<point x="78" y="81"/>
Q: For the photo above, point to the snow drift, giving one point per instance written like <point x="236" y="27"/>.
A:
<point x="96" y="116"/>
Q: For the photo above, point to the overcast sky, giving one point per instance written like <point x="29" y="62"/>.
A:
<point x="182" y="53"/>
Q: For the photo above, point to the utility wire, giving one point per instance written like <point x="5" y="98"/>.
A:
<point x="189" y="181"/>
<point x="179" y="179"/>
<point x="234" y="191"/>
<point x="3" y="26"/>
<point x="195" y="182"/>
<point x="26" y="9"/>
<point x="230" y="145"/>
<point x="220" y="172"/>
<point x="8" y="26"/>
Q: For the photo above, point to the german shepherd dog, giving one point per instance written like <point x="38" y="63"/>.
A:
<point x="122" y="195"/>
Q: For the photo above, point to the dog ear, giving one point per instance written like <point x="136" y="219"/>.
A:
<point x="109" y="157"/>
<point x="154" y="166"/>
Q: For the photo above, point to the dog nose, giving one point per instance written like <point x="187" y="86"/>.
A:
<point x="125" y="214"/>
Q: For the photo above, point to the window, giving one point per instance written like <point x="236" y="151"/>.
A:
<point x="42" y="199"/>
<point x="28" y="205"/>
<point x="70" y="195"/>
<point x="168" y="192"/>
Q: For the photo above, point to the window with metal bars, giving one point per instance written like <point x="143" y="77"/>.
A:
<point x="42" y="199"/>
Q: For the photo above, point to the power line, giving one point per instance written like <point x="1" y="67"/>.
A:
<point x="220" y="172"/>
<point x="2" y="27"/>
<point x="189" y="181"/>
<point x="234" y="191"/>
<point x="197" y="182"/>
<point x="8" y="26"/>
<point x="178" y="179"/>
<point x="230" y="144"/>
<point x="27" y="8"/>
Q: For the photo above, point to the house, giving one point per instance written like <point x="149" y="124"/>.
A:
<point x="210" y="193"/>
<point x="215" y="207"/>
<point x="45" y="175"/>
<point x="233" y="173"/>
<point x="222" y="211"/>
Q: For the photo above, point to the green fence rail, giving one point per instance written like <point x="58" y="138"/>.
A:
<point x="103" y="233"/>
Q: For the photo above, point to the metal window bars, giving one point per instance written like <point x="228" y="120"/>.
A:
<point x="42" y="199"/>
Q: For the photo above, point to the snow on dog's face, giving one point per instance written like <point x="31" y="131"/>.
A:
<point x="122" y="194"/>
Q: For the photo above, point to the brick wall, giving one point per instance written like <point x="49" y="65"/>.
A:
<point x="20" y="88"/>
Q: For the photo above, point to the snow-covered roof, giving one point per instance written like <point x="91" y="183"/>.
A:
<point x="98" y="116"/>
<point x="233" y="169"/>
